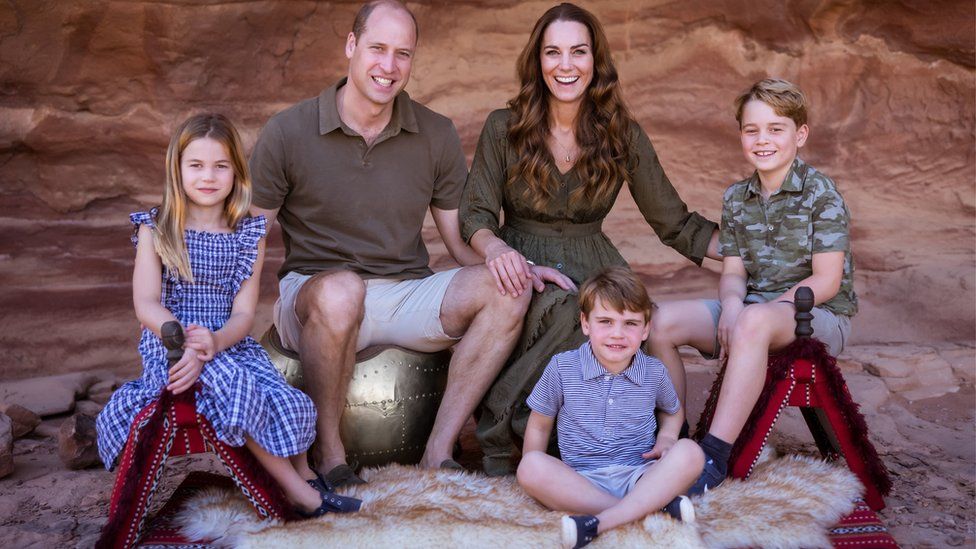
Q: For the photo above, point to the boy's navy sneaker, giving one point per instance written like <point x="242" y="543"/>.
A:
<point x="681" y="509"/>
<point x="710" y="478"/>
<point x="578" y="530"/>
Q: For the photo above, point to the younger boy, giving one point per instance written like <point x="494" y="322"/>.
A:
<point x="784" y="227"/>
<point x="602" y="398"/>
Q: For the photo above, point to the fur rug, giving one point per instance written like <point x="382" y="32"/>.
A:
<point x="788" y="502"/>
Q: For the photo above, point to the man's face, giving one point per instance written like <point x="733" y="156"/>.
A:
<point x="380" y="60"/>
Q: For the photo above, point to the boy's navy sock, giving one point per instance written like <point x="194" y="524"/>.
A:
<point x="718" y="451"/>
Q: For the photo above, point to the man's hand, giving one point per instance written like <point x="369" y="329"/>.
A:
<point x="661" y="447"/>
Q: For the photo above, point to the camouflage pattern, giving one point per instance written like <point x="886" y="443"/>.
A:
<point x="776" y="238"/>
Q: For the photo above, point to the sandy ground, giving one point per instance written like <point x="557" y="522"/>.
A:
<point x="928" y="446"/>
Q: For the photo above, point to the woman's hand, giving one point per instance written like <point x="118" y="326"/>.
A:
<point x="510" y="268"/>
<point x="184" y="373"/>
<point x="726" y="322"/>
<point x="201" y="340"/>
<point x="541" y="275"/>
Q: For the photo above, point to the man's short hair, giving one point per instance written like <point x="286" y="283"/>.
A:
<point x="784" y="97"/>
<point x="618" y="288"/>
<point x="359" y="23"/>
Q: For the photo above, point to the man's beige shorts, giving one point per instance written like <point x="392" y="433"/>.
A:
<point x="406" y="313"/>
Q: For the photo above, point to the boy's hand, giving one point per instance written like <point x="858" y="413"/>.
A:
<point x="661" y="447"/>
<point x="184" y="373"/>
<point x="202" y="341"/>
<point x="726" y="322"/>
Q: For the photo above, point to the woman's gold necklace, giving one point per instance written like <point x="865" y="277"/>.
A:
<point x="570" y="159"/>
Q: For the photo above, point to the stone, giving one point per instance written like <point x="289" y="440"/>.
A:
<point x="104" y="386"/>
<point x="47" y="395"/>
<point x="931" y="391"/>
<point x="24" y="420"/>
<point x="88" y="407"/>
<point x="6" y="446"/>
<point x="100" y="397"/>
<point x="78" y="442"/>
<point x="868" y="391"/>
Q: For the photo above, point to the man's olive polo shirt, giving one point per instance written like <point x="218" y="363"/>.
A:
<point x="345" y="205"/>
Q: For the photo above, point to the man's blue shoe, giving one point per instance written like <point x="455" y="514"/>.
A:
<point x="710" y="478"/>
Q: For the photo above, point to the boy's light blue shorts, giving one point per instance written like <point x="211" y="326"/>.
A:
<point x="617" y="480"/>
<point x="832" y="329"/>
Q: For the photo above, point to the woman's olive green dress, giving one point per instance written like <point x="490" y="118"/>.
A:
<point x="567" y="237"/>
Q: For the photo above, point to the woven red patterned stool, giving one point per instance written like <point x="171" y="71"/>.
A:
<point x="806" y="376"/>
<point x="171" y="426"/>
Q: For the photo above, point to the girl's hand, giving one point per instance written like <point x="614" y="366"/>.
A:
<point x="541" y="275"/>
<point x="184" y="373"/>
<point x="661" y="447"/>
<point x="202" y="340"/>
<point x="510" y="268"/>
<point x="726" y="322"/>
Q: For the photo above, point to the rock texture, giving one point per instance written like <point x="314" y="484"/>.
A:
<point x="77" y="442"/>
<point x="89" y="92"/>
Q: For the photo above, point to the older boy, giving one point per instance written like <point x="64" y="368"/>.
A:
<point x="602" y="398"/>
<point x="784" y="227"/>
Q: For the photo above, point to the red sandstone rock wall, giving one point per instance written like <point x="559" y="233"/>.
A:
<point x="89" y="92"/>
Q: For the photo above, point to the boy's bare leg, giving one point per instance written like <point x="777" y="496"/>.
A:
<point x="758" y="329"/>
<point x="558" y="487"/>
<point x="330" y="307"/>
<point x="671" y="475"/>
<point x="678" y="323"/>
<point x="491" y="324"/>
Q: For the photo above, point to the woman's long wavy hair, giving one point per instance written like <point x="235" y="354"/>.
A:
<point x="602" y="125"/>
<point x="171" y="219"/>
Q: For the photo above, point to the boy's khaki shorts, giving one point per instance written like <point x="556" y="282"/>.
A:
<point x="406" y="313"/>
<point x="832" y="329"/>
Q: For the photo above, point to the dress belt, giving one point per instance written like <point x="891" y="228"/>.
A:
<point x="538" y="228"/>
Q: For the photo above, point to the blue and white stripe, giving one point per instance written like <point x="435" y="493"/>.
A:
<point x="603" y="419"/>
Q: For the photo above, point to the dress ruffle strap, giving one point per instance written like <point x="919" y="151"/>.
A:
<point x="249" y="231"/>
<point x="142" y="218"/>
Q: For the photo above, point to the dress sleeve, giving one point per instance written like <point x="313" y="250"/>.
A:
<point x="249" y="232"/>
<point x="142" y="218"/>
<point x="481" y="200"/>
<point x="687" y="232"/>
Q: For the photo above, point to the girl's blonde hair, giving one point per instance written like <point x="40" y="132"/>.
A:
<point x="171" y="219"/>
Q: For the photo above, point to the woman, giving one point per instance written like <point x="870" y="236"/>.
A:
<point x="554" y="162"/>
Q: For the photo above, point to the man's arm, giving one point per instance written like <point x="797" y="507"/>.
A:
<point x="270" y="215"/>
<point x="449" y="228"/>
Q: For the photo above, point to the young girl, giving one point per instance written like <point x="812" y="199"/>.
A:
<point x="198" y="261"/>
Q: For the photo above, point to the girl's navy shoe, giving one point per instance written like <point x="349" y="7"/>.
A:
<point x="579" y="530"/>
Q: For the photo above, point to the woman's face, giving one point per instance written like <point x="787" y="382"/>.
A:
<point x="567" y="60"/>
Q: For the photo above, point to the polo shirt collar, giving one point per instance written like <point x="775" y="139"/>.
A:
<point x="592" y="368"/>
<point x="793" y="182"/>
<point x="403" y="114"/>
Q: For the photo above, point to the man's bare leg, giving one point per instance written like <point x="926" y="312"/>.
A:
<point x="330" y="308"/>
<point x="680" y="323"/>
<point x="491" y="324"/>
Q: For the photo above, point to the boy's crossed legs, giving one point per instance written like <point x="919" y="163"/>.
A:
<point x="558" y="486"/>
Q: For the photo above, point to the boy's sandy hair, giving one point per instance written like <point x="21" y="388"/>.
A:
<point x="619" y="289"/>
<point x="171" y="219"/>
<point x="784" y="97"/>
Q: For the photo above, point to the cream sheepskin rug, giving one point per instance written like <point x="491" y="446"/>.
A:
<point x="788" y="502"/>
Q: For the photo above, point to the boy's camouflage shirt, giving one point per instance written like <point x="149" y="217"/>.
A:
<point x="777" y="238"/>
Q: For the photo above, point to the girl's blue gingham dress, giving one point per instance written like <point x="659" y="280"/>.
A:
<point x="242" y="393"/>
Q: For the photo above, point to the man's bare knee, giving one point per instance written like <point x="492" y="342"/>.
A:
<point x="335" y="299"/>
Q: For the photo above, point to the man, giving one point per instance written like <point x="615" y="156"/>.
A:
<point x="350" y="175"/>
